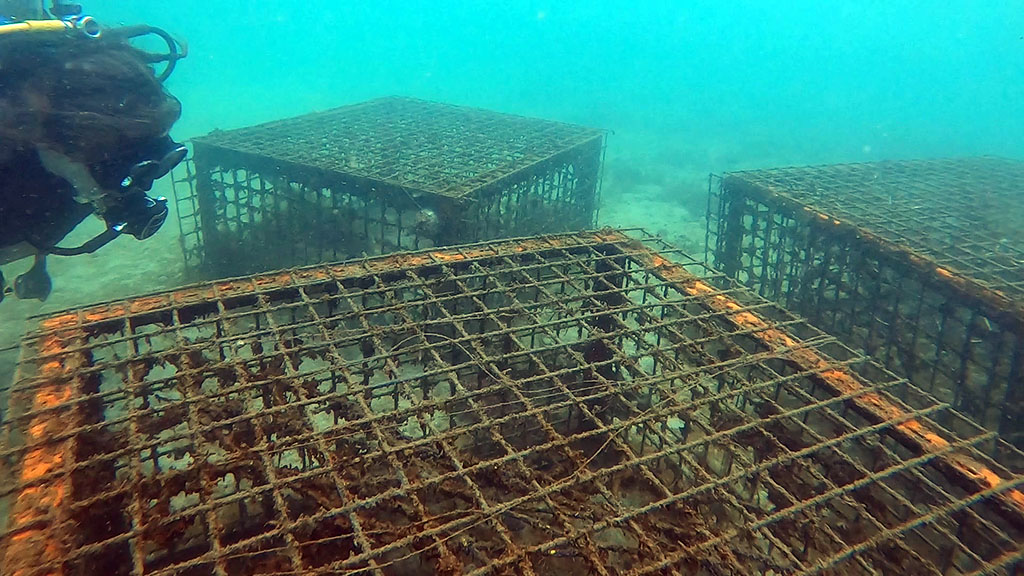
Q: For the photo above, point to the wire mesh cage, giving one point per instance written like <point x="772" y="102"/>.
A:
<point x="919" y="263"/>
<point x="378" y="177"/>
<point x="571" y="404"/>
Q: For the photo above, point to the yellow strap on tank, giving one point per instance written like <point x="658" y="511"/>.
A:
<point x="36" y="26"/>
<point x="84" y="24"/>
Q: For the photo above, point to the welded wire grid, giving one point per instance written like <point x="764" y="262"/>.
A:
<point x="857" y="249"/>
<point x="380" y="177"/>
<point x="186" y="203"/>
<point x="574" y="404"/>
<point x="422" y="146"/>
<point x="962" y="213"/>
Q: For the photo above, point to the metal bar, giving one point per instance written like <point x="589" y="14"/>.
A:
<point x="33" y="544"/>
<point x="962" y="469"/>
<point x="939" y="231"/>
<point x="963" y="284"/>
<point x="573" y="404"/>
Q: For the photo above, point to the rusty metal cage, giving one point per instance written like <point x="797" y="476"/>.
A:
<point x="588" y="403"/>
<point x="382" y="176"/>
<point x="919" y="263"/>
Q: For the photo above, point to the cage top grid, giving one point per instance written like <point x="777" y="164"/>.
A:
<point x="962" y="215"/>
<point x="419" y="145"/>
<point x="573" y="404"/>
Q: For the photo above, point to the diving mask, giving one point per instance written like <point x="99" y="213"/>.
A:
<point x="126" y="207"/>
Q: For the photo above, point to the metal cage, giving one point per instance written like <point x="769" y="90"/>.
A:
<point x="382" y="176"/>
<point x="919" y="263"/>
<point x="572" y="404"/>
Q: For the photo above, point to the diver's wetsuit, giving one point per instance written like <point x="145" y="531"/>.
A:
<point x="35" y="206"/>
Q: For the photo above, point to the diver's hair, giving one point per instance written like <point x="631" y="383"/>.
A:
<point x="85" y="97"/>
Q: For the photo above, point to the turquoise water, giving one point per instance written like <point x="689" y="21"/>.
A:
<point x="758" y="82"/>
<point x="686" y="88"/>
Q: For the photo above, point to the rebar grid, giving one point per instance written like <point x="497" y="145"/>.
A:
<point x="962" y="215"/>
<point x="424" y="146"/>
<point x="379" y="177"/>
<point x="573" y="404"/>
<point x="918" y="263"/>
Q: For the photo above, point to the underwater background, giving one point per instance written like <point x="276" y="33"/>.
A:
<point x="686" y="88"/>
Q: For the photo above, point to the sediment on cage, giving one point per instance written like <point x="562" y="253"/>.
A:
<point x="387" y="175"/>
<point x="919" y="263"/>
<point x="571" y="404"/>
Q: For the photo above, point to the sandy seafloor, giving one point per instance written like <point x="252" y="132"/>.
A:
<point x="644" y="185"/>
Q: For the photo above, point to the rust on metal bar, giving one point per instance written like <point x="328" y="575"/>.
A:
<point x="32" y="525"/>
<point x="574" y="404"/>
<point x="379" y="177"/>
<point x="964" y="470"/>
<point x="918" y="262"/>
<point x="950" y="276"/>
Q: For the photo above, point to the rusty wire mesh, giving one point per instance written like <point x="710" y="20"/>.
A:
<point x="920" y="263"/>
<point x="425" y="146"/>
<point x="574" y="404"/>
<point x="962" y="214"/>
<point x="378" y="177"/>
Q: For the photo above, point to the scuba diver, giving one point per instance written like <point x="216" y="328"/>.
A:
<point x="84" y="129"/>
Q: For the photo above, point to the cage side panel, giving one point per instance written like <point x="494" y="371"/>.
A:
<point x="1013" y="402"/>
<point x="207" y="191"/>
<point x="258" y="213"/>
<point x="728" y="226"/>
<point x="587" y="195"/>
<point x="186" y="201"/>
<point x="911" y="322"/>
<point x="558" y="194"/>
<point x="266" y="214"/>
